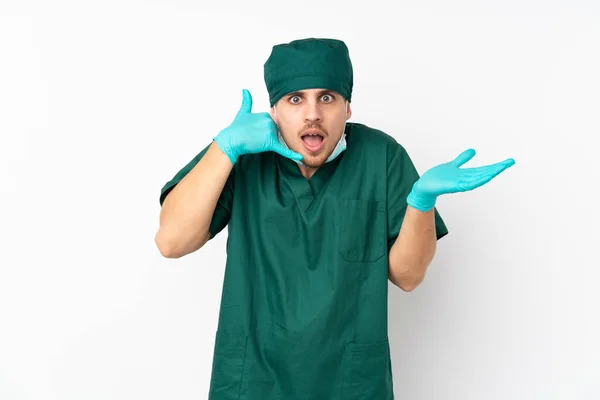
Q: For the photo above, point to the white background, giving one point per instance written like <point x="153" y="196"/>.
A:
<point x="102" y="102"/>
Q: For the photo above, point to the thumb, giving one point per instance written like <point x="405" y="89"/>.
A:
<point x="463" y="157"/>
<point x="246" y="107"/>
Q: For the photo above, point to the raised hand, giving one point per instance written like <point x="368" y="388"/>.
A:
<point x="251" y="133"/>
<point x="450" y="178"/>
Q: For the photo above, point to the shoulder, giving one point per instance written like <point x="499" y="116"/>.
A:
<point x="372" y="141"/>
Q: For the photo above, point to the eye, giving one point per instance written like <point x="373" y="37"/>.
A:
<point x="327" y="98"/>
<point x="294" y="97"/>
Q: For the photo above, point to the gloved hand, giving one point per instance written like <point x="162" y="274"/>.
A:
<point x="251" y="133"/>
<point x="449" y="178"/>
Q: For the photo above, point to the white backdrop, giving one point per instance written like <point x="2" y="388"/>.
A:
<point x="102" y="102"/>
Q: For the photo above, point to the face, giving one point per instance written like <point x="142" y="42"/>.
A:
<point x="312" y="122"/>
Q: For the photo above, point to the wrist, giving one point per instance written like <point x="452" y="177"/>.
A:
<point x="419" y="200"/>
<point x="226" y="148"/>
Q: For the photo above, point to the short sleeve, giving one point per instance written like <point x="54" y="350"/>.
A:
<point x="222" y="213"/>
<point x="401" y="175"/>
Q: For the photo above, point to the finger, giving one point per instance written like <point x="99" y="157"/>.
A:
<point x="503" y="164"/>
<point x="278" y="148"/>
<point x="246" y="107"/>
<point x="509" y="162"/>
<point x="501" y="167"/>
<point x="472" y="180"/>
<point x="475" y="173"/>
<point x="493" y="169"/>
<point x="474" y="183"/>
<point x="463" y="157"/>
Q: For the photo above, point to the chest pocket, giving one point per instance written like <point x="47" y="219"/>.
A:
<point x="362" y="230"/>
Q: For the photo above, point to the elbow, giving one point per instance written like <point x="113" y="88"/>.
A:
<point x="406" y="282"/>
<point x="177" y="248"/>
<point x="164" y="247"/>
<point x="408" y="285"/>
<point x="165" y="251"/>
<point x="408" y="276"/>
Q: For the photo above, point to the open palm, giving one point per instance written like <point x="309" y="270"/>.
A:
<point x="451" y="178"/>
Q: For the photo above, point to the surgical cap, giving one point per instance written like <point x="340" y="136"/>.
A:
<point x="308" y="64"/>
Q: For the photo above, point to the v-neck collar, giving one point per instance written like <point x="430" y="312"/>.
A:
<point x="306" y="190"/>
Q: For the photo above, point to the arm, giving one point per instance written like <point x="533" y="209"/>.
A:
<point x="413" y="250"/>
<point x="188" y="209"/>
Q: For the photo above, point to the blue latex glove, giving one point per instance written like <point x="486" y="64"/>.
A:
<point x="450" y="178"/>
<point x="251" y="133"/>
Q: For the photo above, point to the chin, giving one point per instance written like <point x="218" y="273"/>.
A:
<point x="314" y="162"/>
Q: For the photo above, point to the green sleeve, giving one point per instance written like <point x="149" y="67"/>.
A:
<point x="401" y="175"/>
<point x="222" y="212"/>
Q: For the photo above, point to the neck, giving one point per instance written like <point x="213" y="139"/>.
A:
<point x="307" y="172"/>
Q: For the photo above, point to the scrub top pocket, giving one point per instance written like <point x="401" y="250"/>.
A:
<point x="367" y="372"/>
<point x="362" y="230"/>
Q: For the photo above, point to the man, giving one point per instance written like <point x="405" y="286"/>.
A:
<point x="320" y="214"/>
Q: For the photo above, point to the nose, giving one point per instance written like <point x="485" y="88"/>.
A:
<point x="313" y="113"/>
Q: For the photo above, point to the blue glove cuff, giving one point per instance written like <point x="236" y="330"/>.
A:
<point x="226" y="148"/>
<point x="420" y="202"/>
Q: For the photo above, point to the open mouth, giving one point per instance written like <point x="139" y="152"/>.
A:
<point x="313" y="141"/>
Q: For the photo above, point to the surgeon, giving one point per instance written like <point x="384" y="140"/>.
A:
<point x="321" y="213"/>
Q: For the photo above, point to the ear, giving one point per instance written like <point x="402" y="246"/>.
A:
<point x="273" y="114"/>
<point x="348" y="110"/>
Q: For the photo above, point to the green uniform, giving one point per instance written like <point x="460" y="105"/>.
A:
<point x="304" y="305"/>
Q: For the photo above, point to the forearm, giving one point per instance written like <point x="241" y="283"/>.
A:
<point x="413" y="250"/>
<point x="188" y="209"/>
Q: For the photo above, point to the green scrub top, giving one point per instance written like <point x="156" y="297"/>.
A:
<point x="304" y="305"/>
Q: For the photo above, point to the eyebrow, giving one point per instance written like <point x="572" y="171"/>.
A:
<point x="320" y="93"/>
